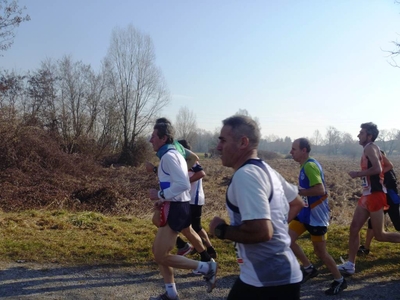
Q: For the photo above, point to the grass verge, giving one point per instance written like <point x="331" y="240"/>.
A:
<point x="92" y="238"/>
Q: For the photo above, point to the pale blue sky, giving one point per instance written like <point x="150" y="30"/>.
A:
<point x="296" y="65"/>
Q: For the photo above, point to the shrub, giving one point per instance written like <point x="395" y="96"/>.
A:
<point x="268" y="155"/>
<point x="137" y="153"/>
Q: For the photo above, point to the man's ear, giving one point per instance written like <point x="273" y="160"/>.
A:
<point x="244" y="142"/>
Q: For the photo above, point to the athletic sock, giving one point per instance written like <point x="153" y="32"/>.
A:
<point x="340" y="280"/>
<point x="202" y="267"/>
<point x="205" y="256"/>
<point x="180" y="243"/>
<point x="308" y="268"/>
<point x="210" y="249"/>
<point x="171" y="290"/>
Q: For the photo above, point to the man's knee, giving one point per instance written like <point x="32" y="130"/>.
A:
<point x="320" y="249"/>
<point x="355" y="228"/>
<point x="379" y="236"/>
<point x="160" y="257"/>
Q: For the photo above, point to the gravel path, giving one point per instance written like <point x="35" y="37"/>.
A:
<point x="39" y="281"/>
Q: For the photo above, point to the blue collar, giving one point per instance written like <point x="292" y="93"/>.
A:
<point x="164" y="149"/>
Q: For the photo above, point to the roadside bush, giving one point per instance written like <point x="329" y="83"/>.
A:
<point x="137" y="153"/>
<point x="268" y="155"/>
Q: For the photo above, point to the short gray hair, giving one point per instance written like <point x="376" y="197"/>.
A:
<point x="244" y="126"/>
<point x="165" y="129"/>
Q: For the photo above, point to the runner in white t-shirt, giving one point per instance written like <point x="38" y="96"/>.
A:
<point x="260" y="203"/>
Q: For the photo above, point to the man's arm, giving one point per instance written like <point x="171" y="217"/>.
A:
<point x="295" y="206"/>
<point x="197" y="176"/>
<point x="249" y="232"/>
<point x="150" y="167"/>
<point x="314" y="176"/>
<point x="176" y="167"/>
<point x="198" y="172"/>
<point x="316" y="190"/>
<point x="190" y="157"/>
<point x="387" y="164"/>
<point x="373" y="154"/>
<point x="250" y="194"/>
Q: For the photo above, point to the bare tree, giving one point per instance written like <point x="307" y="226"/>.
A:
<point x="137" y="84"/>
<point x="11" y="15"/>
<point x="186" y="125"/>
<point x="73" y="91"/>
<point x="349" y="146"/>
<point x="333" y="140"/>
<point x="383" y="137"/>
<point x="244" y="112"/>
<point x="317" y="138"/>
<point x="204" y="141"/>
<point x="393" y="140"/>
<point x="42" y="91"/>
<point x="12" y="89"/>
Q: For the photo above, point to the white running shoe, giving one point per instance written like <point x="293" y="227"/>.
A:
<point x="211" y="276"/>
<point x="163" y="297"/>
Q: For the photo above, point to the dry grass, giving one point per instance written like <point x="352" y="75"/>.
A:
<point x="69" y="209"/>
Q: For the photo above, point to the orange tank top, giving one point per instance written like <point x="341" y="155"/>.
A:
<point x="371" y="183"/>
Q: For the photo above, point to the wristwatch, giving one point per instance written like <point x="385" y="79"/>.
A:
<point x="220" y="230"/>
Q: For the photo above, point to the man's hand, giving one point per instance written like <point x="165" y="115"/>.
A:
<point x="153" y="194"/>
<point x="149" y="167"/>
<point x="353" y="174"/>
<point x="214" y="223"/>
<point x="157" y="205"/>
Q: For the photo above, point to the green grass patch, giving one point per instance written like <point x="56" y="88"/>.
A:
<point x="92" y="238"/>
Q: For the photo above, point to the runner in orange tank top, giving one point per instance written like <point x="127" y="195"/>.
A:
<point x="373" y="199"/>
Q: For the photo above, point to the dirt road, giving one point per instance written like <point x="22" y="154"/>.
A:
<point x="52" y="281"/>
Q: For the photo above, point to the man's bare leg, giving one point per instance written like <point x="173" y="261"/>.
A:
<point x="359" y="218"/>
<point x="379" y="231"/>
<point x="163" y="244"/>
<point x="194" y="239"/>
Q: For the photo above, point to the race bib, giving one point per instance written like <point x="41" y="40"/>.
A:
<point x="364" y="181"/>
<point x="238" y="256"/>
<point x="305" y="199"/>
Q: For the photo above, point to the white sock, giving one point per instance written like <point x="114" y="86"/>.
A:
<point x="340" y="279"/>
<point x="202" y="267"/>
<point x="171" y="290"/>
<point x="308" y="267"/>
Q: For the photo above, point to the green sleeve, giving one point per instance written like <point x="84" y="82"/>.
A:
<point x="180" y="148"/>
<point x="313" y="173"/>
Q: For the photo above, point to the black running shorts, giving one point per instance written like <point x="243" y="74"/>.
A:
<point x="179" y="216"/>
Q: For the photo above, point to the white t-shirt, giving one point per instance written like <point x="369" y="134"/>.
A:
<point x="173" y="176"/>
<point x="269" y="263"/>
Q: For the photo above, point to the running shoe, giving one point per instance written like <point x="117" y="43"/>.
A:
<point x="336" y="287"/>
<point x="211" y="276"/>
<point x="196" y="272"/>
<point x="362" y="251"/>
<point x="163" y="297"/>
<point x="185" y="250"/>
<point x="309" y="273"/>
<point x="346" y="268"/>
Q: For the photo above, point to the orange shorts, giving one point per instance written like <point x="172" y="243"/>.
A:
<point x="373" y="202"/>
